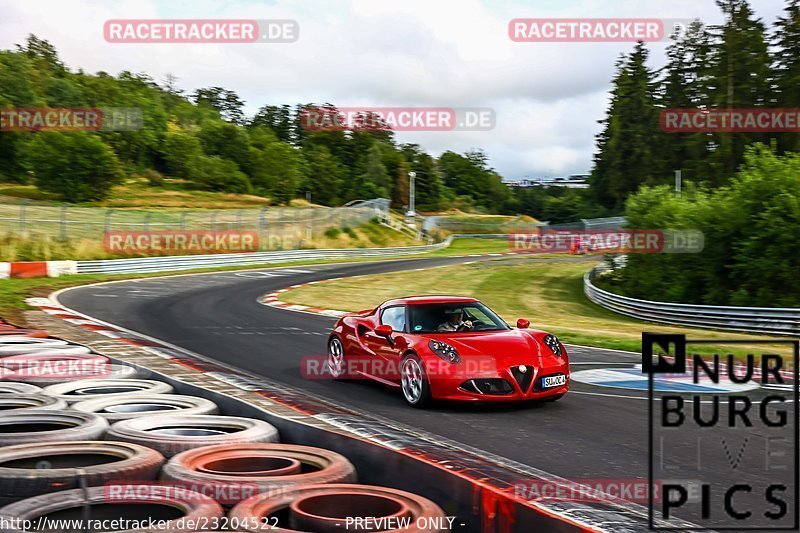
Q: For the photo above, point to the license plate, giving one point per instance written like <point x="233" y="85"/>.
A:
<point x="554" y="381"/>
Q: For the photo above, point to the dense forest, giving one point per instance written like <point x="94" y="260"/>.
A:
<point x="742" y="190"/>
<point x="205" y="139"/>
<point x="738" y="64"/>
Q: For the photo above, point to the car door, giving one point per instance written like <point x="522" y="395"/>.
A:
<point x="387" y="352"/>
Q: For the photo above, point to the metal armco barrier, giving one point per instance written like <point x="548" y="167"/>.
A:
<point x="775" y="321"/>
<point x="188" y="262"/>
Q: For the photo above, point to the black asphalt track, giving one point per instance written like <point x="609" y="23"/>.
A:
<point x="593" y="433"/>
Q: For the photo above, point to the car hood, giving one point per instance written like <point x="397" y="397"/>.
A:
<point x="510" y="347"/>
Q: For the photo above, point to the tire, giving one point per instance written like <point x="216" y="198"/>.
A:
<point x="146" y="405"/>
<point x="29" y="470"/>
<point x="111" y="371"/>
<point x="244" y="469"/>
<point x="414" y="382"/>
<point x="153" y="432"/>
<point x="19" y="332"/>
<point x="336" y="358"/>
<point x="92" y="389"/>
<point x="318" y="507"/>
<point x="51" y="355"/>
<point x="20" y="402"/>
<point x="122" y="502"/>
<point x="53" y="351"/>
<point x="13" y="345"/>
<point x="38" y="425"/>
<point x="11" y="388"/>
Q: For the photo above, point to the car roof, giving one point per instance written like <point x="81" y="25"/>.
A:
<point x="423" y="300"/>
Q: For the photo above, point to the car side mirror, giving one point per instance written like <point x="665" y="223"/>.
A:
<point x="385" y="330"/>
<point x="523" y="324"/>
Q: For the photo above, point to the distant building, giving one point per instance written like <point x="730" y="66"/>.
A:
<point x="574" y="181"/>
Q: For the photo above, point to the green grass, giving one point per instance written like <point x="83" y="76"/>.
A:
<point x="137" y="193"/>
<point x="475" y="246"/>
<point x="546" y="290"/>
<point x="13" y="292"/>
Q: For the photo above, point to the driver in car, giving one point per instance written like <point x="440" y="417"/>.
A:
<point x="455" y="321"/>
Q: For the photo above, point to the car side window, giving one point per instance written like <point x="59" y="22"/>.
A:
<point x="395" y="317"/>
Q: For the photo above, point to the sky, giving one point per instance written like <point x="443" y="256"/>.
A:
<point x="547" y="97"/>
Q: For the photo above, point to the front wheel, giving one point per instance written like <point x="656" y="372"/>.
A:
<point x="336" y="362"/>
<point x="414" y="382"/>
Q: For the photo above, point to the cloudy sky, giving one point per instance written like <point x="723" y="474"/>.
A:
<point x="451" y="53"/>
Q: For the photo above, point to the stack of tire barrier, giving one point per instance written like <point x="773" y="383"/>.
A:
<point x="91" y="440"/>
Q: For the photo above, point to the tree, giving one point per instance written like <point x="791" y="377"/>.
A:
<point x="739" y="66"/>
<point x="325" y="175"/>
<point x="217" y="174"/>
<point x="276" y="170"/>
<point x="375" y="180"/>
<point x="787" y="69"/>
<point x="226" y="140"/>
<point x="227" y="102"/>
<point x="686" y="85"/>
<point x="41" y="50"/>
<point x="181" y="152"/>
<point x="627" y="154"/>
<point x="76" y="165"/>
<point x="400" y="193"/>
<point x="279" y="119"/>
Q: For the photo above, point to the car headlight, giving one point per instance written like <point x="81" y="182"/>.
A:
<point x="445" y="351"/>
<point x="552" y="342"/>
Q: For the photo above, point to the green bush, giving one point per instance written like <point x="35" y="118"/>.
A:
<point x="349" y="232"/>
<point x="154" y="178"/>
<point x="332" y="233"/>
<point x="750" y="256"/>
<point x="76" y="165"/>
<point x="217" y="174"/>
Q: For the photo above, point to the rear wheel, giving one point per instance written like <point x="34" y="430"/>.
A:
<point x="414" y="382"/>
<point x="336" y="358"/>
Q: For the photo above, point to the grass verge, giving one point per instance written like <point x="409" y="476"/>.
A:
<point x="13" y="292"/>
<point x="546" y="290"/>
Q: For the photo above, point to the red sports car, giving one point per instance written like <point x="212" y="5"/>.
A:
<point x="448" y="348"/>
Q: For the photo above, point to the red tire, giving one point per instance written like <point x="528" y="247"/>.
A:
<point x="265" y="468"/>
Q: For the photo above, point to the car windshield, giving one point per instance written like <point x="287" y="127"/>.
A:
<point x="454" y="317"/>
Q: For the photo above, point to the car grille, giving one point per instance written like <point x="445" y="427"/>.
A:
<point x="493" y="386"/>
<point x="523" y="378"/>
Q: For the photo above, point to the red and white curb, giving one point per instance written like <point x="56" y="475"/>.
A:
<point x="37" y="269"/>
<point x="273" y="300"/>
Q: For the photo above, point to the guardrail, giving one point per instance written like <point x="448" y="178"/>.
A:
<point x="775" y="321"/>
<point x="189" y="262"/>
